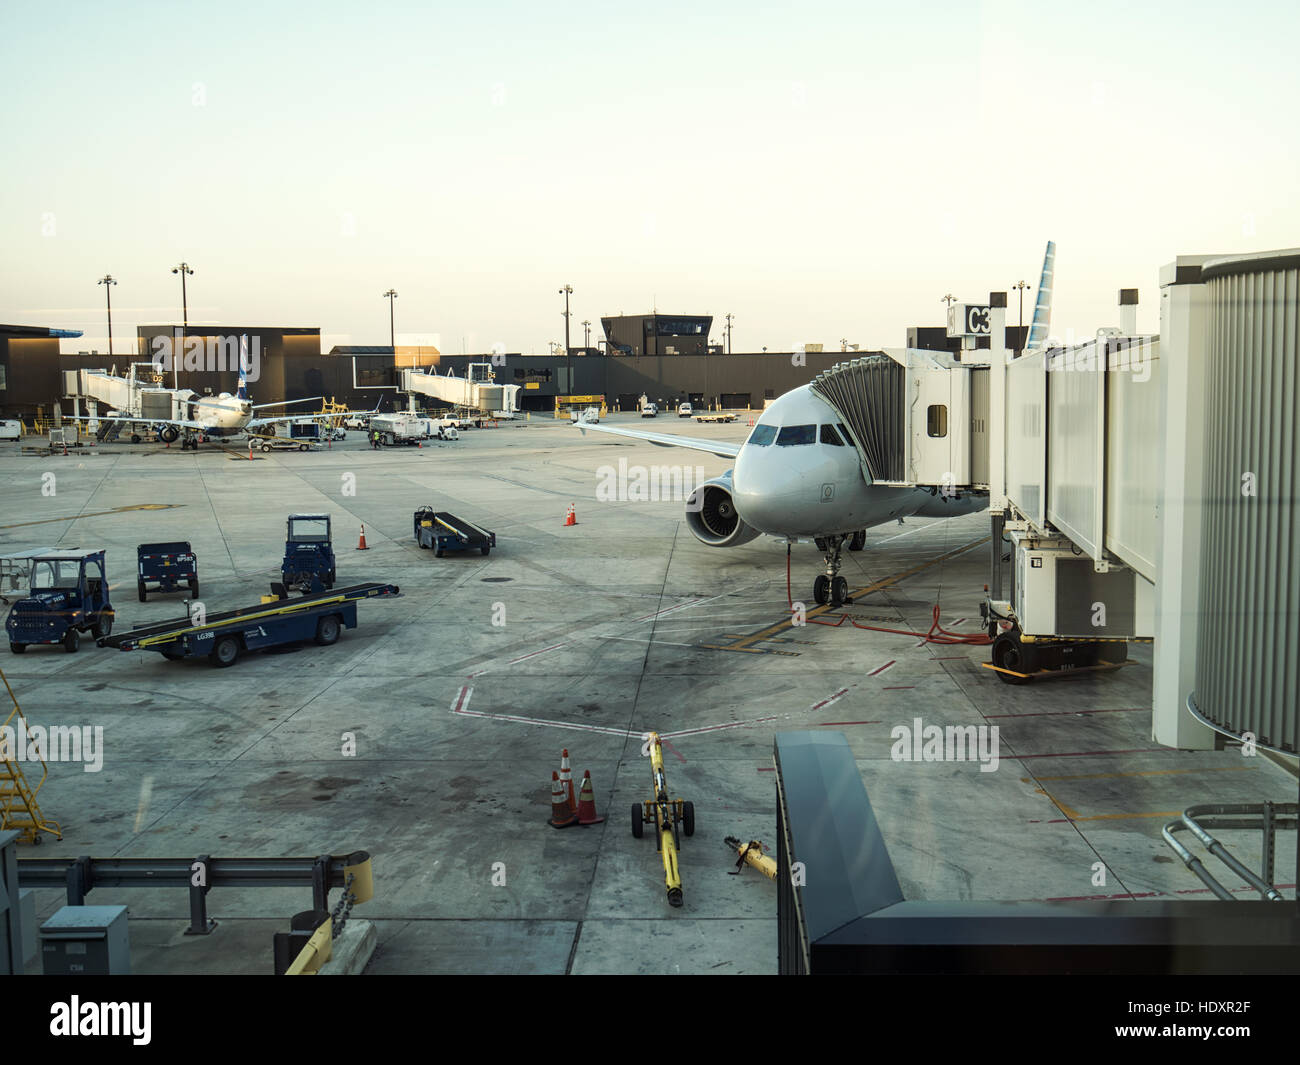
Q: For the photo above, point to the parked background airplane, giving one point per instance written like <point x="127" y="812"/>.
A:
<point x="799" y="475"/>
<point x="188" y="414"/>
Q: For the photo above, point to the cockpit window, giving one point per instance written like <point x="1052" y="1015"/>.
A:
<point x="792" y="435"/>
<point x="830" y="436"/>
<point x="762" y="435"/>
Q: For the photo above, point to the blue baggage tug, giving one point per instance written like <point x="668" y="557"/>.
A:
<point x="446" y="532"/>
<point x="222" y="638"/>
<point x="169" y="566"/>
<point x="68" y="596"/>
<point x="308" y="553"/>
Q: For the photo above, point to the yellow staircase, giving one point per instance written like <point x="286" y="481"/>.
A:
<point x="18" y="808"/>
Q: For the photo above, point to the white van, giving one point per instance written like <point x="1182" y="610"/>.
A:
<point x="10" y="430"/>
<point x="684" y="410"/>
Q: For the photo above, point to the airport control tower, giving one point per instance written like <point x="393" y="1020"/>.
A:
<point x="658" y="334"/>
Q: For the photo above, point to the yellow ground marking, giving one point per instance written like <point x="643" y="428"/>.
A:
<point x="1074" y="815"/>
<point x="96" y="514"/>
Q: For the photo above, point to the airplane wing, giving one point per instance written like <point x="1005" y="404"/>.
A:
<point x="301" y="419"/>
<point x="287" y="402"/>
<point x="183" y="423"/>
<point x="713" y="447"/>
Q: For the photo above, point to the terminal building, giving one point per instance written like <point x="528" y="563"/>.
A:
<point x="665" y="357"/>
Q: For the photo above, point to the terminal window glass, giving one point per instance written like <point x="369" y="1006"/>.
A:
<point x="936" y="420"/>
<point x="61" y="574"/>
<point x="830" y="436"/>
<point x="793" y="435"/>
<point x="762" y="435"/>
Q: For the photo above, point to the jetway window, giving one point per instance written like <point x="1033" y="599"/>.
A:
<point x="937" y="420"/>
<point x="762" y="435"/>
<point x="793" y="435"/>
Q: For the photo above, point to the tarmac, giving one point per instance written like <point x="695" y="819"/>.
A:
<point x="459" y="695"/>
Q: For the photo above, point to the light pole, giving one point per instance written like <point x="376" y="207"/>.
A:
<point x="1020" y="335"/>
<point x="391" y="295"/>
<point x="729" y="318"/>
<point x="567" y="291"/>
<point x="183" y="269"/>
<point x="586" y="334"/>
<point x="108" y="282"/>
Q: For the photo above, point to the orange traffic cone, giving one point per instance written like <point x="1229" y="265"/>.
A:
<point x="561" y="815"/>
<point x="587" y="802"/>
<point x="571" y="518"/>
<point x="566" y="778"/>
<point x="362" y="546"/>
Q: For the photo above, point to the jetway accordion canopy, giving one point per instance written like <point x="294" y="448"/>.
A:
<point x="868" y="394"/>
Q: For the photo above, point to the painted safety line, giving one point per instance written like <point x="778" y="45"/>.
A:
<point x="549" y="724"/>
<point x="900" y="688"/>
<point x="461" y="704"/>
<point x="1089" y="754"/>
<point x="824" y="724"/>
<point x="1063" y="713"/>
<point x="646" y="639"/>
<point x="880" y="669"/>
<point x="534" y="654"/>
<point x="666" y="610"/>
<point x="717" y="728"/>
<point x="835" y="698"/>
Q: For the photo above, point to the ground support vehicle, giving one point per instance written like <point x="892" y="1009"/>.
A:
<point x="169" y="565"/>
<point x="222" y="638"/>
<point x="443" y="532"/>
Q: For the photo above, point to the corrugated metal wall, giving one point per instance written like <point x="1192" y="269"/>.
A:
<point x="1246" y="670"/>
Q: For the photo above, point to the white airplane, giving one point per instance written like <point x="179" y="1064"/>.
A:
<point x="799" y="476"/>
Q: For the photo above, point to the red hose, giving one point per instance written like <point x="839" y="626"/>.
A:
<point x="937" y="634"/>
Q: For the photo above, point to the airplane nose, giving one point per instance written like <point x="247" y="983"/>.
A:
<point x="768" y="498"/>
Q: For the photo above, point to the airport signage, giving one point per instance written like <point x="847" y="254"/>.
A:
<point x="969" y="320"/>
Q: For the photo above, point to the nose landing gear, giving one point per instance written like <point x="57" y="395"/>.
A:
<point x="830" y="586"/>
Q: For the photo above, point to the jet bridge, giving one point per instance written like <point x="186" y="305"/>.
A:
<point x="917" y="417"/>
<point x="1147" y="487"/>
<point x="477" y="390"/>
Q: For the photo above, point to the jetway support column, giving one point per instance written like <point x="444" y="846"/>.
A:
<point x="999" y="357"/>
<point x="1183" y="342"/>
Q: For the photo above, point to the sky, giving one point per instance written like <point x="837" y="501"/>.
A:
<point x="823" y="171"/>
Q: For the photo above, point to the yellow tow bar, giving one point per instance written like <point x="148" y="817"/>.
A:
<point x="751" y="853"/>
<point x="667" y="815"/>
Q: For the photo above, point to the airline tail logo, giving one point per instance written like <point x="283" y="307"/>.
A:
<point x="243" y="368"/>
<point x="1043" y="308"/>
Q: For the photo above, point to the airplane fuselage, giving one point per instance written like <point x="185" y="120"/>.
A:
<point x="798" y="475"/>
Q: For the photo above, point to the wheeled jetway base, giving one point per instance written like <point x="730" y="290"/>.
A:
<point x="1016" y="660"/>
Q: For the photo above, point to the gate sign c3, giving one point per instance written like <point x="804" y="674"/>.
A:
<point x="968" y="320"/>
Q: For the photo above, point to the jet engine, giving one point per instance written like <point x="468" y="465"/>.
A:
<point x="712" y="517"/>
